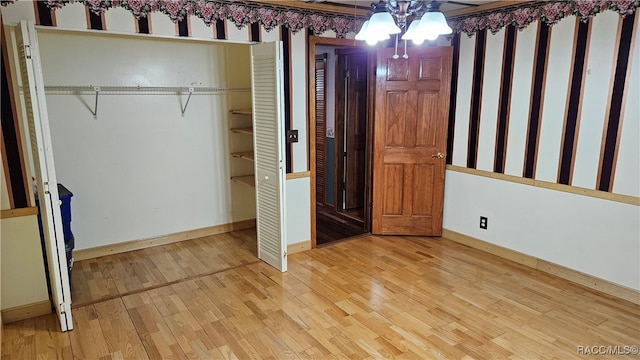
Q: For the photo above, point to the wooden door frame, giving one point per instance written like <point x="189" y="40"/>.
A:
<point x="312" y="41"/>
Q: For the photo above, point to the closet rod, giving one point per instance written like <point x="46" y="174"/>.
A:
<point x="139" y="90"/>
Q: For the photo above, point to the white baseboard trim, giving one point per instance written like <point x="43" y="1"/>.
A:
<point x="575" y="276"/>
<point x="299" y="247"/>
<point x="99" y="251"/>
<point x="26" y="311"/>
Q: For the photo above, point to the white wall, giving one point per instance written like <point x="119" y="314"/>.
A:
<point x="22" y="280"/>
<point x="140" y="170"/>
<point x="299" y="100"/>
<point x="594" y="236"/>
<point x="298" y="210"/>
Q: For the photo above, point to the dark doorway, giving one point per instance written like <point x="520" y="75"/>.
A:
<point x="341" y="156"/>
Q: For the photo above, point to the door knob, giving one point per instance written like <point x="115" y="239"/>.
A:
<point x="438" y="155"/>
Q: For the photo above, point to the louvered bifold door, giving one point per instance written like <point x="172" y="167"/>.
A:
<point x="268" y="141"/>
<point x="321" y="128"/>
<point x="40" y="138"/>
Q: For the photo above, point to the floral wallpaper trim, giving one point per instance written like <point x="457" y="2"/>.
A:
<point x="272" y="16"/>
<point x="549" y="12"/>
<point x="240" y="13"/>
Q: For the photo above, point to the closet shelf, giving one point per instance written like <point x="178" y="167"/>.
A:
<point x="245" y="155"/>
<point x="242" y="111"/>
<point x="139" y="90"/>
<point x="245" y="179"/>
<point x="244" y="130"/>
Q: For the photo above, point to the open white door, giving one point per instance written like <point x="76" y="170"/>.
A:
<point x="268" y="144"/>
<point x="40" y="137"/>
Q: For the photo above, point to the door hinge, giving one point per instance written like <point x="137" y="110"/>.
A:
<point x="371" y="205"/>
<point x="347" y="74"/>
<point x="46" y="187"/>
<point x="285" y="254"/>
<point x="27" y="51"/>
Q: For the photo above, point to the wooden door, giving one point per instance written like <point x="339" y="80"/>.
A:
<point x="355" y="129"/>
<point x="268" y="144"/>
<point x="45" y="174"/>
<point x="410" y="134"/>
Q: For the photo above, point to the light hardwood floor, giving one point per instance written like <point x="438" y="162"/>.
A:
<point x="116" y="275"/>
<point x="371" y="297"/>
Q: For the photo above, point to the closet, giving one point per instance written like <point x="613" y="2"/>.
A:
<point x="146" y="135"/>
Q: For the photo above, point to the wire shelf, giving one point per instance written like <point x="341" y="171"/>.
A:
<point x="139" y="90"/>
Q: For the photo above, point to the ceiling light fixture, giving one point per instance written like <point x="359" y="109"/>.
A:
<point x="389" y="17"/>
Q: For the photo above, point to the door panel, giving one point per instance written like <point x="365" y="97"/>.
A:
<point x="427" y="109"/>
<point x="396" y="118"/>
<point x="397" y="69"/>
<point x="268" y="129"/>
<point x="42" y="154"/>
<point x="430" y="69"/>
<point x="410" y="129"/>
<point x="423" y="176"/>
<point x="355" y="128"/>
<point x="394" y="176"/>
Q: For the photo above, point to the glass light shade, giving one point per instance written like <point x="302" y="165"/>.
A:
<point x="370" y="37"/>
<point x="363" y="30"/>
<point x="382" y="23"/>
<point x="413" y="34"/>
<point x="432" y="25"/>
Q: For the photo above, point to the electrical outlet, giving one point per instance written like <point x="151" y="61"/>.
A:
<point x="483" y="222"/>
<point x="292" y="136"/>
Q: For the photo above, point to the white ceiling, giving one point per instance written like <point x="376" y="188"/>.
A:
<point x="445" y="7"/>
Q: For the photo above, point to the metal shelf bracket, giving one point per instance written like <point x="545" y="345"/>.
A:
<point x="96" y="89"/>
<point x="187" y="102"/>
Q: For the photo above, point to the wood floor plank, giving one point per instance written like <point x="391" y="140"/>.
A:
<point x="154" y="333"/>
<point x="87" y="339"/>
<point x="115" y="275"/>
<point x="366" y="298"/>
<point x="191" y="337"/>
<point x="118" y="330"/>
<point x="18" y="340"/>
<point x="50" y="343"/>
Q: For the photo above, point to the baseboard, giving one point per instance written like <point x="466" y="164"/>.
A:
<point x="28" y="211"/>
<point x="299" y="247"/>
<point x="490" y="248"/>
<point x="26" y="311"/>
<point x="575" y="276"/>
<point x="99" y="251"/>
